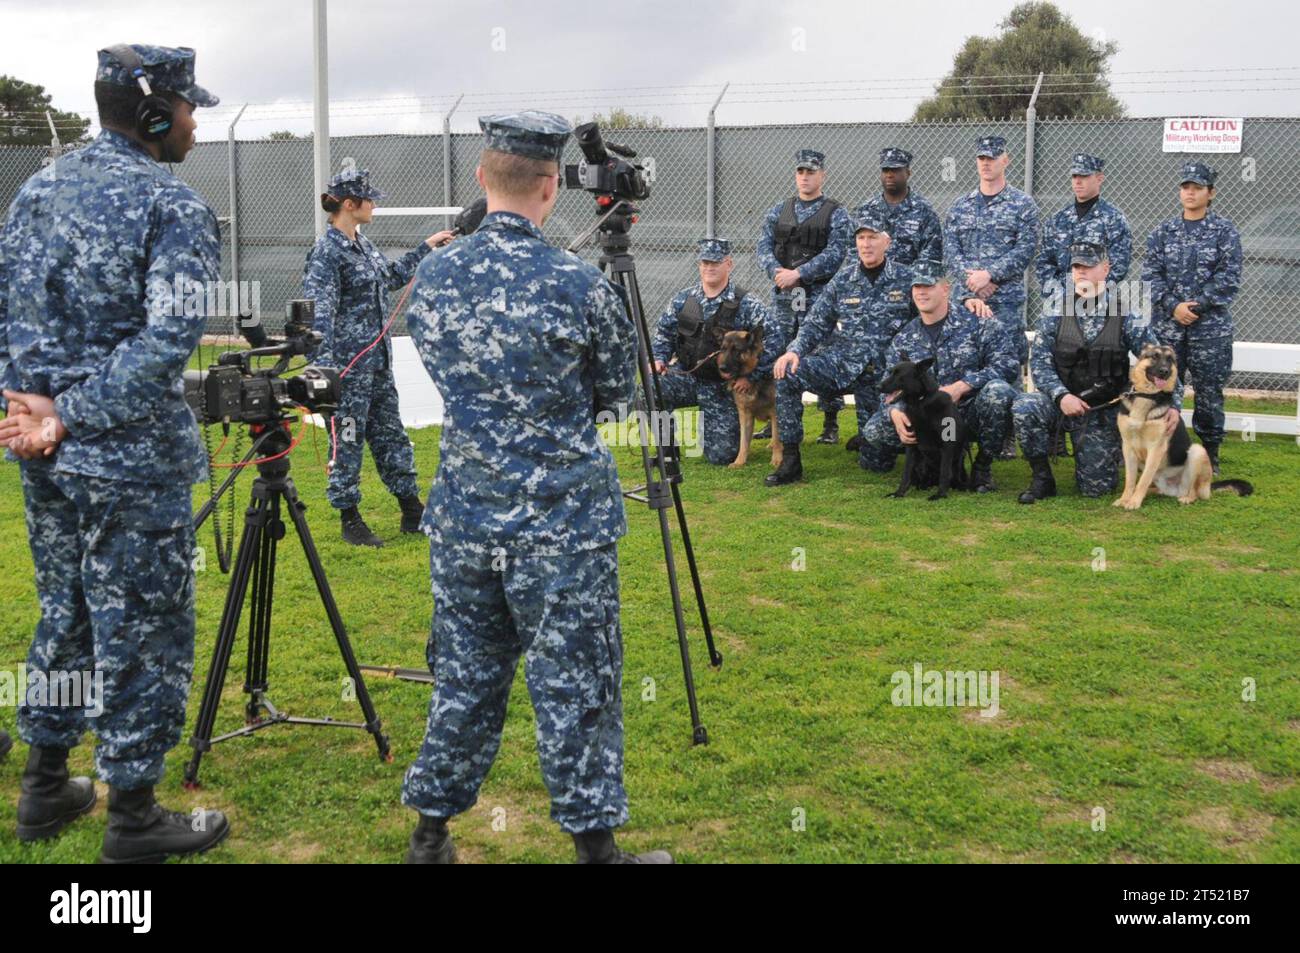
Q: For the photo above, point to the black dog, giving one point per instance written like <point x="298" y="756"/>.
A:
<point x="941" y="437"/>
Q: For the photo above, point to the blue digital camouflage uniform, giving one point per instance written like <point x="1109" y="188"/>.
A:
<point x="1097" y="445"/>
<point x="102" y="261"/>
<point x="789" y="307"/>
<point x="719" y="422"/>
<point x="913" y="224"/>
<point x="1103" y="224"/>
<point x="841" y="346"/>
<point x="350" y="281"/>
<point x="1187" y="261"/>
<point x="970" y="349"/>
<point x="997" y="234"/>
<point x="526" y="344"/>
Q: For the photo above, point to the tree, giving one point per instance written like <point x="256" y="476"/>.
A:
<point x="1035" y="37"/>
<point x="283" y="135"/>
<point x="622" y="119"/>
<point x="22" y="116"/>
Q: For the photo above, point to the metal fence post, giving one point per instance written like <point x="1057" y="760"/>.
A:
<point x="232" y="167"/>
<point x="447" y="220"/>
<point x="710" y="161"/>
<point x="321" y="103"/>
<point x="1031" y="119"/>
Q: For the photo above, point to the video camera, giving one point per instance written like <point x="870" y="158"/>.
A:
<point x="602" y="173"/>
<point x="231" y="391"/>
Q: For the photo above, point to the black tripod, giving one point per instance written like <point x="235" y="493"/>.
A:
<point x="255" y="565"/>
<point x="663" y="462"/>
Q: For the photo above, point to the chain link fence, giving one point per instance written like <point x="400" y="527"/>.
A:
<point x="271" y="185"/>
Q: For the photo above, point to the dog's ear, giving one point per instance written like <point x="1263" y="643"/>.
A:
<point x="758" y="334"/>
<point x="902" y="356"/>
<point x="923" y="366"/>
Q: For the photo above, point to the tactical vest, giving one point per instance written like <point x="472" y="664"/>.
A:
<point x="698" y="338"/>
<point x="796" y="242"/>
<point x="1101" y="364"/>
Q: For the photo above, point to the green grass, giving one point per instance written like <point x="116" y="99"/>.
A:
<point x="1120" y="689"/>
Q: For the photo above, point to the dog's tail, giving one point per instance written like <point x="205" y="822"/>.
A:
<point x="1240" y="487"/>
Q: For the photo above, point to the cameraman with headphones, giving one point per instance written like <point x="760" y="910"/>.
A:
<point x="102" y="252"/>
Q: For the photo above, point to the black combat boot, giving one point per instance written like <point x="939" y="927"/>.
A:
<point x="1043" y="484"/>
<point x="830" y="432"/>
<point x="142" y="831"/>
<point x="598" y="847"/>
<point x="412" y="510"/>
<point x="854" y="443"/>
<point x="981" y="473"/>
<point x="764" y="434"/>
<point x="1212" y="451"/>
<point x="355" y="530"/>
<point x="50" y="800"/>
<point x="791" y="468"/>
<point x="431" y="842"/>
<point x="5" y="744"/>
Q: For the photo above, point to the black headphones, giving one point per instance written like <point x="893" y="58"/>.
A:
<point x="153" y="116"/>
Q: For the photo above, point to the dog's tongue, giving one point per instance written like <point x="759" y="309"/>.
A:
<point x="1159" y="381"/>
<point x="893" y="397"/>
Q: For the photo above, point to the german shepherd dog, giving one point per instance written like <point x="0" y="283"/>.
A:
<point x="738" y="355"/>
<point x="941" y="437"/>
<point x="1171" y="463"/>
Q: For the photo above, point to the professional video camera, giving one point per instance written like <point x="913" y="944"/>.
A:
<point x="603" y="173"/>
<point x="231" y="391"/>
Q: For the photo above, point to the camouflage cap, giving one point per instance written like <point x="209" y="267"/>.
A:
<point x="713" y="249"/>
<point x="990" y="146"/>
<point x="353" y="184"/>
<point x="531" y="133"/>
<point x="165" y="68"/>
<point x="1088" y="253"/>
<point x="928" y="271"/>
<point x="892" y="157"/>
<point x="1199" y="173"/>
<point x="868" y="218"/>
<point x="810" y="159"/>
<point x="1084" y="164"/>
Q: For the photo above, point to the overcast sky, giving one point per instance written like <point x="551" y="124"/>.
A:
<point x="261" y="53"/>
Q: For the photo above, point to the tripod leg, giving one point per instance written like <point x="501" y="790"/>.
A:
<point x="715" y="657"/>
<point x="259" y="613"/>
<point x="249" y="548"/>
<point x="296" y="510"/>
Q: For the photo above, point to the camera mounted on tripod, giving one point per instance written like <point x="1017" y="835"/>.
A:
<point x="232" y="391"/>
<point x="604" y="174"/>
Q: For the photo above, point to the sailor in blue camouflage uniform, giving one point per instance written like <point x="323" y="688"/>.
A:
<point x="972" y="360"/>
<point x="101" y="260"/>
<point x="1080" y="365"/>
<point x="526" y="344"/>
<point x="689" y="329"/>
<point x="912" y="223"/>
<point x="1193" y="264"/>
<point x="1090" y="218"/>
<point x="989" y="239"/>
<point x="349" y="279"/>
<point x="840" y="348"/>
<point x="804" y="242"/>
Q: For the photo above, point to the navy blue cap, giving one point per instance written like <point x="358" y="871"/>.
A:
<point x="891" y="157"/>
<point x="353" y="184"/>
<point x="713" y="249"/>
<point x="810" y="159"/>
<point x="1199" y="173"/>
<point x="870" y="218"/>
<point x="927" y="271"/>
<point x="1084" y="164"/>
<point x="991" y="146"/>
<point x="166" y="69"/>
<point x="1088" y="253"/>
<point x="531" y="133"/>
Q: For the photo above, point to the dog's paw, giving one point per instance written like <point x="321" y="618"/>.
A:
<point x="1189" y="498"/>
<point x="1122" y="501"/>
<point x="895" y="494"/>
<point x="1131" y="504"/>
<point x="735" y="465"/>
<point x="936" y="496"/>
